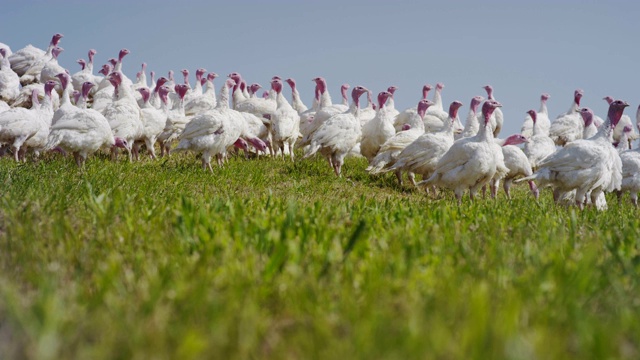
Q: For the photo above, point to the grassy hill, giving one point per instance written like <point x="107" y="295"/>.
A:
<point x="270" y="259"/>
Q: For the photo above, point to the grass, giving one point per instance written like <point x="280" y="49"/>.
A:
<point x="269" y="259"/>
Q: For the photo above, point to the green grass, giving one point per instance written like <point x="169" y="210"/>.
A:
<point x="269" y="259"/>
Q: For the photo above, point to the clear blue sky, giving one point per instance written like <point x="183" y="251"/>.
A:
<point x="521" y="48"/>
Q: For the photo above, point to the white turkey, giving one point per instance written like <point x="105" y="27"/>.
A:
<point x="498" y="118"/>
<point x="409" y="115"/>
<point x="196" y="91"/>
<point x="6" y="48"/>
<point x="123" y="114"/>
<point x="155" y="93"/>
<point x="103" y="96"/>
<point x="472" y="125"/>
<point x="23" y="59"/>
<point x="339" y="135"/>
<point x="65" y="101"/>
<point x="539" y="145"/>
<point x="630" y="173"/>
<point x="82" y="132"/>
<point x="590" y="128"/>
<point x="118" y="68"/>
<point x="542" y="119"/>
<point x="285" y="123"/>
<point x="568" y="127"/>
<point x="624" y="122"/>
<point x="470" y="163"/>
<point x="586" y="165"/>
<point x="209" y="133"/>
<point x="52" y="68"/>
<point x="516" y="161"/>
<point x="326" y="110"/>
<point x="153" y="122"/>
<point x="369" y="112"/>
<point x="377" y="131"/>
<point x="21" y="128"/>
<point x="9" y="80"/>
<point x="205" y="102"/>
<point x="390" y="104"/>
<point x="437" y="99"/>
<point x="390" y="150"/>
<point x="436" y="118"/>
<point x="255" y="106"/>
<point x="175" y="122"/>
<point x="296" y="102"/>
<point x="422" y="155"/>
<point x="141" y="78"/>
<point x="253" y="89"/>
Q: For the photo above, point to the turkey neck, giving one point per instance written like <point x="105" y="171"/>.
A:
<point x="437" y="99"/>
<point x="65" y="96"/>
<point x="574" y="107"/>
<point x="355" y="106"/>
<point x="223" y="101"/>
<point x="295" y="98"/>
<point x="543" y="107"/>
<point x="325" y="100"/>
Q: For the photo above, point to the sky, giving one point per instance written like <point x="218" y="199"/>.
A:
<point x="521" y="48"/>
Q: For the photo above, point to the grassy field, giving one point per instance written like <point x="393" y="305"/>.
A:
<point x="269" y="259"/>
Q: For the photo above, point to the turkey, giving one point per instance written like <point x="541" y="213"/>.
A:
<point x="437" y="99"/>
<point x="9" y="80"/>
<point x="568" y="127"/>
<point x="497" y="120"/>
<point x="6" y="48"/>
<point x="141" y="79"/>
<point x="630" y="173"/>
<point x="539" y="145"/>
<point x="516" y="161"/>
<point x="51" y="68"/>
<point x="339" y="134"/>
<point x="472" y="125"/>
<point x="391" y="105"/>
<point x="390" y="150"/>
<point x="253" y="90"/>
<point x="175" y="122"/>
<point x="104" y="95"/>
<point x="123" y="115"/>
<point x="542" y="119"/>
<point x="326" y="110"/>
<point x="205" y="102"/>
<point x="624" y="122"/>
<point x="23" y="59"/>
<point x="153" y="122"/>
<point x="368" y="113"/>
<point x="470" y="163"/>
<point x="255" y="106"/>
<point x="118" y="68"/>
<point x="590" y="128"/>
<point x="410" y="114"/>
<point x="422" y="155"/>
<point x="155" y="94"/>
<point x="65" y="102"/>
<point x="27" y="128"/>
<point x="296" y="102"/>
<point x="196" y="92"/>
<point x="377" y="131"/>
<point x="285" y="122"/>
<point x="436" y="119"/>
<point x="586" y="165"/>
<point x="82" y="132"/>
<point x="208" y="133"/>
